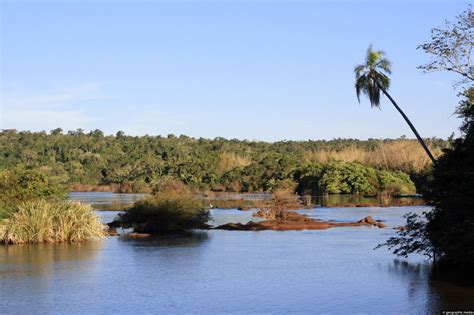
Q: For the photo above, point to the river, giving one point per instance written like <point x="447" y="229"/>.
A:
<point x="333" y="271"/>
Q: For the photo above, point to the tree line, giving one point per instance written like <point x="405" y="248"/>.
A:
<point x="132" y="164"/>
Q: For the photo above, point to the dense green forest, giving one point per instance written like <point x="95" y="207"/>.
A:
<point x="127" y="163"/>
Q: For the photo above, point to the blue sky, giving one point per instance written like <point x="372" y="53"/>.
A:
<point x="266" y="70"/>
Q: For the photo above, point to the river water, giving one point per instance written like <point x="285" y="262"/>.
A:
<point x="333" y="271"/>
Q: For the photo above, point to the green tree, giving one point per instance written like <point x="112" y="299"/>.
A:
<point x="373" y="77"/>
<point x="17" y="186"/>
<point x="446" y="233"/>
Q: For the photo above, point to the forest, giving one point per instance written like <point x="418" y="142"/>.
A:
<point x="92" y="161"/>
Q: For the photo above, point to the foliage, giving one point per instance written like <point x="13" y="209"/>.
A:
<point x="164" y="212"/>
<point x="347" y="178"/>
<point x="396" y="183"/>
<point x="465" y="110"/>
<point x="352" y="178"/>
<point x="451" y="48"/>
<point x="41" y="221"/>
<point x="413" y="238"/>
<point x="92" y="161"/>
<point x="20" y="185"/>
<point x="451" y="222"/>
<point x="372" y="75"/>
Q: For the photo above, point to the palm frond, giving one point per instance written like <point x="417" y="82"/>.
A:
<point x="372" y="76"/>
<point x="385" y="65"/>
<point x="358" y="70"/>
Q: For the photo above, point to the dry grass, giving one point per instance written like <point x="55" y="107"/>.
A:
<point x="230" y="160"/>
<point x="47" y="222"/>
<point x="404" y="155"/>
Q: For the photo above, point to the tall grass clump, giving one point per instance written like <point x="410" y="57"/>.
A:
<point x="40" y="221"/>
<point x="165" y="212"/>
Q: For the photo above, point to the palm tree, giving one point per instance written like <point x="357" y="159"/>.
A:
<point x="372" y="77"/>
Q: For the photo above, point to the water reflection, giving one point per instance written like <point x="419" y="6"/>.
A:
<point x="414" y="275"/>
<point x="107" y="200"/>
<point x="190" y="239"/>
<point x="438" y="294"/>
<point x="31" y="260"/>
<point x="31" y="274"/>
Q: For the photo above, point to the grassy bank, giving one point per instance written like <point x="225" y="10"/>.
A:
<point x="47" y="222"/>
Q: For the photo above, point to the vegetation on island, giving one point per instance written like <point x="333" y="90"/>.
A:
<point x="171" y="208"/>
<point x="34" y="209"/>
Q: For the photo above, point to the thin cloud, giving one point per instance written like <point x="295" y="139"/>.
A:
<point x="61" y="108"/>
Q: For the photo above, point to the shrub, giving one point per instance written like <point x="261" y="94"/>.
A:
<point x="41" y="221"/>
<point x="351" y="178"/>
<point x="346" y="178"/>
<point x="165" y="212"/>
<point x="396" y="183"/>
<point x="22" y="185"/>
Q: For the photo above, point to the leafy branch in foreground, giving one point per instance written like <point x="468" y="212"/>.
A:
<point x="412" y="238"/>
<point x="451" y="48"/>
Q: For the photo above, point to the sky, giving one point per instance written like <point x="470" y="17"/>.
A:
<point x="257" y="70"/>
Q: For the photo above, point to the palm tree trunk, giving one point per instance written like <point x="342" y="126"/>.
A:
<point x="423" y="144"/>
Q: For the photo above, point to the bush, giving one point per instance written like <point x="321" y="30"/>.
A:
<point x="351" y="178"/>
<point x="165" y="212"/>
<point x="396" y="183"/>
<point x="23" y="185"/>
<point x="40" y="221"/>
<point x="346" y="178"/>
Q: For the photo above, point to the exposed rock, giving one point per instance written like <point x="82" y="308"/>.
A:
<point x="368" y="220"/>
<point x="286" y="220"/>
<point x="137" y="235"/>
<point x="112" y="231"/>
